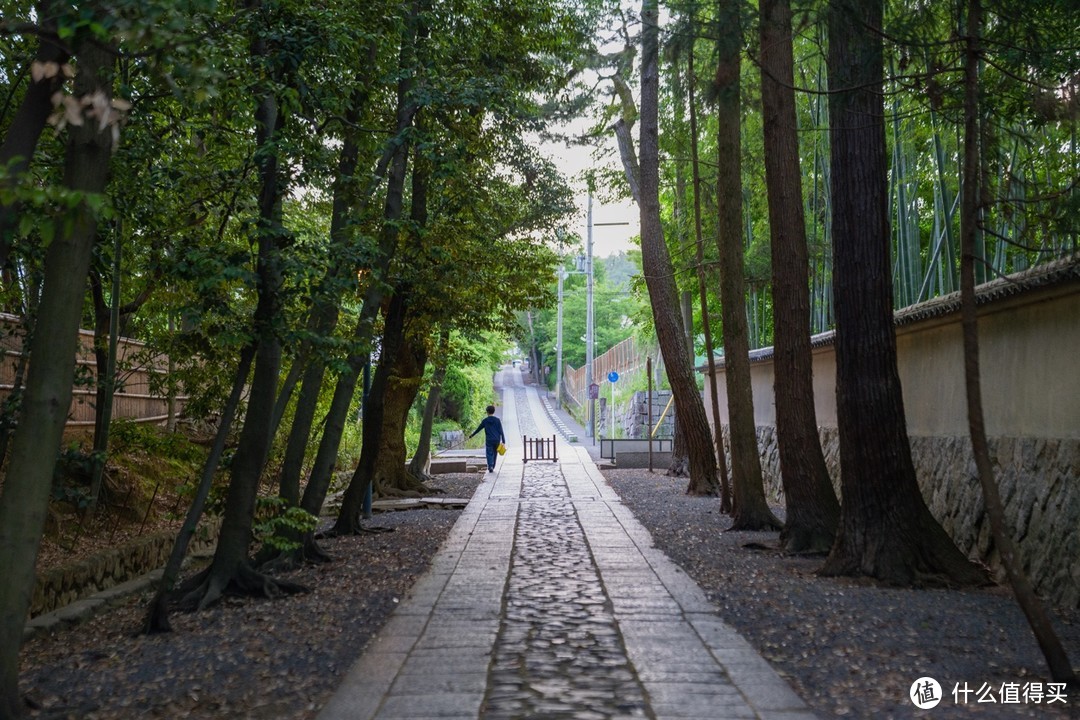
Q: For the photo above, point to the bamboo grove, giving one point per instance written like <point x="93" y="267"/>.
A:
<point x="1029" y="128"/>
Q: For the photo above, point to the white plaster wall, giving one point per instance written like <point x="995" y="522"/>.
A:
<point x="1030" y="358"/>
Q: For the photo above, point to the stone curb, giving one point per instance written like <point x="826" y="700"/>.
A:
<point x="557" y="421"/>
<point x="82" y="610"/>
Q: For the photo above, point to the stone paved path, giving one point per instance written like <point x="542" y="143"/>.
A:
<point x="549" y="601"/>
<point x="559" y="652"/>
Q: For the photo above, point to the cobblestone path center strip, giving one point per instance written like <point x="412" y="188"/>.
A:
<point x="559" y="653"/>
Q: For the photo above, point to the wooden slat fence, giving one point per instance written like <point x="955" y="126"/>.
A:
<point x="539" y="448"/>
<point x="137" y="369"/>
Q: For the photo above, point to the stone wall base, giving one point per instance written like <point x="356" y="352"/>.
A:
<point x="63" y="585"/>
<point x="1039" y="480"/>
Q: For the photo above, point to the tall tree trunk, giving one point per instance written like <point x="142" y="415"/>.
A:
<point x="348" y="520"/>
<point x="110" y="319"/>
<point x="288" y="386"/>
<point x="679" y="464"/>
<point x="420" y="463"/>
<point x="812" y="508"/>
<point x="656" y="263"/>
<point x="230" y="570"/>
<point x="322" y="468"/>
<point x="47" y="398"/>
<point x="24" y="130"/>
<point x="9" y="415"/>
<point x="325" y="311"/>
<point x="682" y="227"/>
<point x="751" y="510"/>
<point x="407" y="365"/>
<point x="680" y="455"/>
<point x="699" y="243"/>
<point x="337" y="414"/>
<point x="686" y="304"/>
<point x="323" y="321"/>
<point x="106" y="345"/>
<point x="403" y="383"/>
<point x="157" y="613"/>
<point x="631" y="168"/>
<point x="394" y="163"/>
<point x="886" y="531"/>
<point x="397" y="379"/>
<point x="1056" y="658"/>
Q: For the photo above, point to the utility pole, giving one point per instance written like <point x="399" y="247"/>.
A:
<point x="558" y="342"/>
<point x="589" y="334"/>
<point x="562" y="273"/>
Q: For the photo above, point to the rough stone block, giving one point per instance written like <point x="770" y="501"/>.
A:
<point x="624" y="460"/>
<point x="442" y="467"/>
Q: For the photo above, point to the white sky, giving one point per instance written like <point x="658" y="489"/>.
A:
<point x="574" y="163"/>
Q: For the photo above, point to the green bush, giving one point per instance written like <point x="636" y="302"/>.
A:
<point x="465" y="394"/>
<point x="126" y="436"/>
<point x="455" y="394"/>
<point x="351" y="439"/>
<point x="277" y="524"/>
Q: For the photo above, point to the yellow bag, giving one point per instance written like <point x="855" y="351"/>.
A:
<point x="501" y="449"/>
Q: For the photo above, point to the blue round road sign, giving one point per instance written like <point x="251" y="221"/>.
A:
<point x="613" y="376"/>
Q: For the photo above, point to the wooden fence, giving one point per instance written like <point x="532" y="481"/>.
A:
<point x="139" y="370"/>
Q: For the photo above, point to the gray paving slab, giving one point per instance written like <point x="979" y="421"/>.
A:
<point x="548" y="599"/>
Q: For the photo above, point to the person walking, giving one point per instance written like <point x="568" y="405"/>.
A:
<point x="493" y="436"/>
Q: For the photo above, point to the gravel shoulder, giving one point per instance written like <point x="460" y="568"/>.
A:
<point x="849" y="648"/>
<point x="243" y="658"/>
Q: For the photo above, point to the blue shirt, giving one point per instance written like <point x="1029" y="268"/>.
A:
<point x="493" y="431"/>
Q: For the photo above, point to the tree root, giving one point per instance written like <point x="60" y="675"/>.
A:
<point x="804" y="540"/>
<point x="907" y="567"/>
<point x="355" y="526"/>
<point x="358" y="530"/>
<point x="420" y="478"/>
<point x="395" y="492"/>
<point x="406" y="485"/>
<point x="761" y="547"/>
<point x="709" y="491"/>
<point x="157" y="615"/>
<point x="755" y="522"/>
<point x="680" y="467"/>
<point x="309" y="553"/>
<point x="207" y="588"/>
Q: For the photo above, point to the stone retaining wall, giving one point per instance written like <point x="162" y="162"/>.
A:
<point x="635" y="416"/>
<point x="63" y="585"/>
<point x="1029" y="339"/>
<point x="1038" y="489"/>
